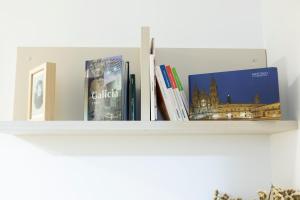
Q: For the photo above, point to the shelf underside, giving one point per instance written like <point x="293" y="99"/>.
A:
<point x="147" y="128"/>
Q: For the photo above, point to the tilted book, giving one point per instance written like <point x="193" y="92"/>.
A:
<point x="169" y="89"/>
<point x="104" y="89"/>
<point x="163" y="97"/>
<point x="180" y="88"/>
<point x="178" y="98"/>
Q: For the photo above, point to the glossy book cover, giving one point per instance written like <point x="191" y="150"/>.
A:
<point x="235" y="95"/>
<point x="104" y="89"/>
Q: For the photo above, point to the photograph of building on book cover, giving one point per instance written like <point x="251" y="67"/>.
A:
<point x="235" y="95"/>
<point x="104" y="89"/>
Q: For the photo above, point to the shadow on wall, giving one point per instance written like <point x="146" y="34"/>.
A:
<point x="294" y="110"/>
<point x="294" y="99"/>
<point x="150" y="145"/>
<point x="283" y="87"/>
<point x="289" y="93"/>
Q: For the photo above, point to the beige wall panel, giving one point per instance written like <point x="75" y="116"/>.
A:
<point x="70" y="73"/>
<point x="196" y="61"/>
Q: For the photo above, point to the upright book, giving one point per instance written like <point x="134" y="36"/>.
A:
<point x="105" y="92"/>
<point x="132" y="98"/>
<point x="235" y="95"/>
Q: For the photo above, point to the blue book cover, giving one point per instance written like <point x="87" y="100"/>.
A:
<point x="235" y="95"/>
<point x="165" y="75"/>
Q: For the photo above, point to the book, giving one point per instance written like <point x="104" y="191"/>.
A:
<point x="126" y="91"/>
<point x="153" y="100"/>
<point x="105" y="89"/>
<point x="179" y="101"/>
<point x="170" y="90"/>
<point x="163" y="97"/>
<point x="235" y="95"/>
<point x="181" y="90"/>
<point x="132" y="98"/>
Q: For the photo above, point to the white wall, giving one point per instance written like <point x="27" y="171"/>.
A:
<point x="120" y="168"/>
<point x="282" y="40"/>
<point x="192" y="23"/>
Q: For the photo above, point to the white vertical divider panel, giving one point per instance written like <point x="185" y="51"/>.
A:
<point x="145" y="73"/>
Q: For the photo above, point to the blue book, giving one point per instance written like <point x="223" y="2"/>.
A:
<point x="235" y="95"/>
<point x="165" y="76"/>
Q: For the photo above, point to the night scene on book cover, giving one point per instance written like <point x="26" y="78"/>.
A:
<point x="235" y="95"/>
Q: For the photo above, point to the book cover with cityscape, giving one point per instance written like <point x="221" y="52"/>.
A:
<point x="104" y="95"/>
<point x="235" y="95"/>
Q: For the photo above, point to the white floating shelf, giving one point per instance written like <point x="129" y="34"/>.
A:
<point x="147" y="128"/>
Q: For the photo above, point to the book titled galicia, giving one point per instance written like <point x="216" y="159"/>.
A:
<point x="235" y="95"/>
<point x="105" y="90"/>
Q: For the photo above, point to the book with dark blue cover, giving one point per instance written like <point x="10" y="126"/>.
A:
<point x="132" y="98"/>
<point x="235" y="95"/>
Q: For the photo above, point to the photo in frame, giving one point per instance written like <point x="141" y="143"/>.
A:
<point x="41" y="95"/>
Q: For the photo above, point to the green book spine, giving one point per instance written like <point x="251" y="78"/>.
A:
<point x="180" y="88"/>
<point x="177" y="79"/>
<point x="132" y="98"/>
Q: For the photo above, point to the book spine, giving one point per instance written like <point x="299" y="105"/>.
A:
<point x="86" y="93"/>
<point x="181" y="90"/>
<point x="165" y="94"/>
<point x="132" y="98"/>
<point x="153" y="101"/>
<point x="177" y="94"/>
<point x="171" y="92"/>
<point x="125" y="90"/>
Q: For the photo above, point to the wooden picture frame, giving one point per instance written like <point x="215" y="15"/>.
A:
<point x="41" y="92"/>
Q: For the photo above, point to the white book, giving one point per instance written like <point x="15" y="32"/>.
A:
<point x="176" y="104"/>
<point x="185" y="101"/>
<point x="177" y="96"/>
<point x="165" y="95"/>
<point x="181" y="105"/>
<point x="153" y="101"/>
<point x="171" y="92"/>
<point x="180" y="89"/>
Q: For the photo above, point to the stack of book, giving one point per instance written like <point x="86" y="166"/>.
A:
<point x="108" y="87"/>
<point x="166" y="92"/>
<point x="171" y="99"/>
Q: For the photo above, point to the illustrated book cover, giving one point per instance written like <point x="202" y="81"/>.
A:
<point x="104" y="89"/>
<point x="235" y="95"/>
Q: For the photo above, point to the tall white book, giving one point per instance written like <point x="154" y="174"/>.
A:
<point x="153" y="101"/>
